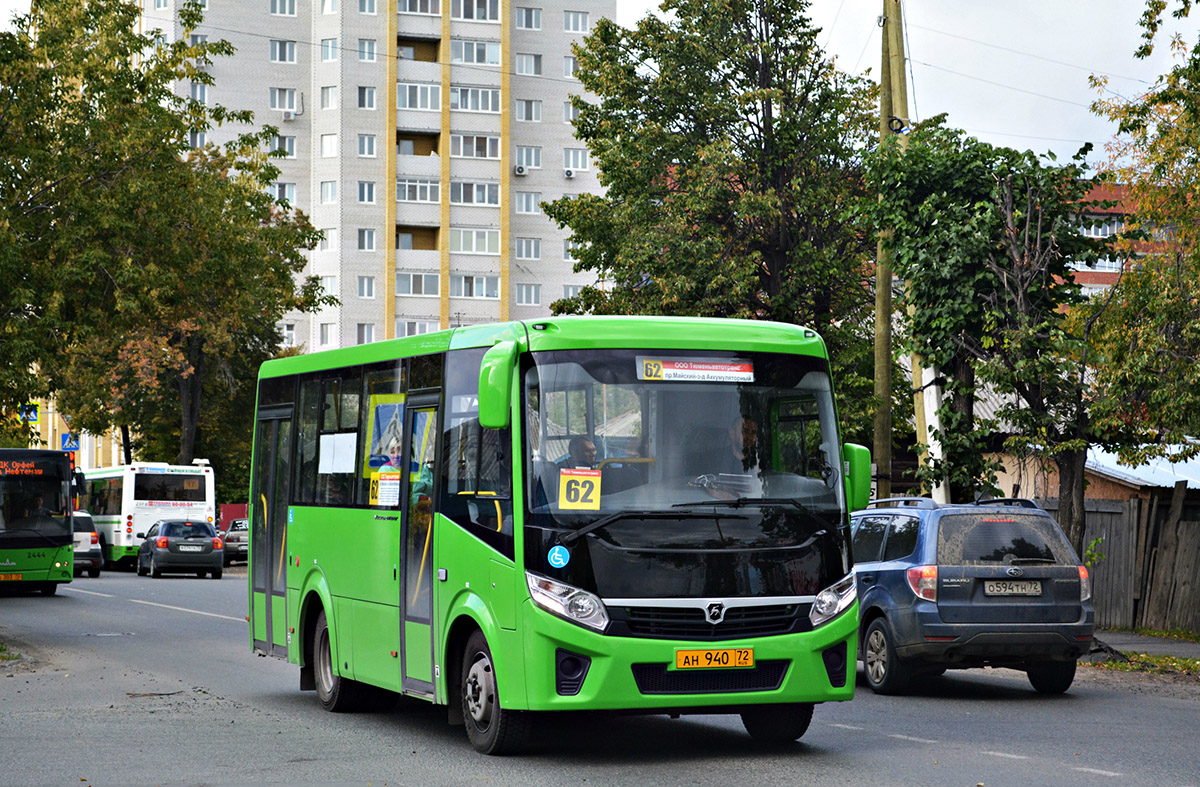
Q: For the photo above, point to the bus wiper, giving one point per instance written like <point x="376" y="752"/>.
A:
<point x="766" y="502"/>
<point x="566" y="539"/>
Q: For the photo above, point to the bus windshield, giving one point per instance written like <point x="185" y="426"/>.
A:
<point x="160" y="486"/>
<point x="34" y="498"/>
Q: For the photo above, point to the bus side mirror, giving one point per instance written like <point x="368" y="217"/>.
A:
<point x="495" y="385"/>
<point x="858" y="475"/>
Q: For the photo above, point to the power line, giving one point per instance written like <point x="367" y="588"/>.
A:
<point x="1001" y="84"/>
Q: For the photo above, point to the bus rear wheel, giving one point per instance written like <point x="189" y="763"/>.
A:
<point x="335" y="693"/>
<point x="491" y="728"/>
<point x="778" y="724"/>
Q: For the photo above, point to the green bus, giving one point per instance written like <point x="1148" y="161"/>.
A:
<point x="633" y="514"/>
<point x="37" y="539"/>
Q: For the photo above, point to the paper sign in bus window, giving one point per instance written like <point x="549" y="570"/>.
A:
<point x="579" y="490"/>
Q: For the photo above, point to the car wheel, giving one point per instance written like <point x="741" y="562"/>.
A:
<point x="778" y="724"/>
<point x="141" y="570"/>
<point x="94" y="573"/>
<point x="336" y="694"/>
<point x="491" y="728"/>
<point x="1051" y="677"/>
<point x="217" y="574"/>
<point x="155" y="571"/>
<point x="885" y="673"/>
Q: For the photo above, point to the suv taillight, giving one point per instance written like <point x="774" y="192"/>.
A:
<point x="1085" y="584"/>
<point x="95" y="537"/>
<point x="923" y="581"/>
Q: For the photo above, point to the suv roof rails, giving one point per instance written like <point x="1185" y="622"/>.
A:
<point x="902" y="502"/>
<point x="1021" y="502"/>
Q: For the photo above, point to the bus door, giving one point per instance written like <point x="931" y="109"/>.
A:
<point x="268" y="530"/>
<point x="421" y="437"/>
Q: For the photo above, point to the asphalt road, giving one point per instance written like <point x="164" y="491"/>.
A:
<point x="132" y="680"/>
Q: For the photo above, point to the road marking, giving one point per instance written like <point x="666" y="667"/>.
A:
<point x="90" y="592"/>
<point x="911" y="738"/>
<point x="1098" y="772"/>
<point x="185" y="609"/>
<point x="848" y="727"/>
<point x="1005" y="754"/>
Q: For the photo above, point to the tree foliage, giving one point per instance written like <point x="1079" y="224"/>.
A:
<point x="729" y="148"/>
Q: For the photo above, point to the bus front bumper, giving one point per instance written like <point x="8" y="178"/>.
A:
<point x="568" y="667"/>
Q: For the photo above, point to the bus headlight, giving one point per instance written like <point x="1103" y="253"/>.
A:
<point x="567" y="601"/>
<point x="833" y="600"/>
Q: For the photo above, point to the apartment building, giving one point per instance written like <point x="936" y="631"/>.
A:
<point x="421" y="137"/>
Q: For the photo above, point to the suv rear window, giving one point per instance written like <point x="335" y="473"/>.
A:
<point x="1005" y="538"/>
<point x="83" y="523"/>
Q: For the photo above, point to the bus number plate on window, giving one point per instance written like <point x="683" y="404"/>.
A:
<point x="1008" y="587"/>
<point x="714" y="659"/>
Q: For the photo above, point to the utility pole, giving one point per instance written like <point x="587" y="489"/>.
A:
<point x="893" y="118"/>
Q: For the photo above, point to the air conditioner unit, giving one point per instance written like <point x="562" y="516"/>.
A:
<point x="289" y="115"/>
<point x="569" y="173"/>
<point x="520" y="170"/>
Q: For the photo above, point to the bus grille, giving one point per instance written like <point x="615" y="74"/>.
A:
<point x="739" y="622"/>
<point x="657" y="679"/>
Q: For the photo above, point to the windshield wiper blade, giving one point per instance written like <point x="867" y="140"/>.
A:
<point x="1026" y="560"/>
<point x="566" y="539"/>
<point x="769" y="502"/>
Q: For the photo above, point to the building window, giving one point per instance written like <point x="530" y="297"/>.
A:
<point x="528" y="18"/>
<point x="366" y="239"/>
<point x="328" y="242"/>
<point x="329" y="49"/>
<point x="366" y="332"/>
<point x="528" y="201"/>
<point x="417" y="284"/>
<point x="572" y="290"/>
<point x="288" y="334"/>
<point x="467" y="193"/>
<point x="529" y="248"/>
<point x="479" y="10"/>
<point x="160" y="4"/>
<point x="575" y="21"/>
<point x="575" y="159"/>
<point x="285" y="192"/>
<point x="200" y="92"/>
<point x="366" y="286"/>
<point x="283" y="51"/>
<point x="329" y="285"/>
<point x="366" y="50"/>
<point x="529" y="295"/>
<point x="471" y="241"/>
<point x="432" y="7"/>
<point x="329" y="146"/>
<point x="484" y="53"/>
<point x="366" y="6"/>
<point x="569" y="247"/>
<point x="283" y="7"/>
<point x="329" y="97"/>
<point x="475" y="99"/>
<point x="326" y="333"/>
<point x="570" y="112"/>
<point x="418" y="96"/>
<point x="529" y="65"/>
<point x="414" y="327"/>
<point x="197" y="39"/>
<point x="329" y="6"/>
<point x="529" y="157"/>
<point x="472" y="146"/>
<point x="366" y="97"/>
<point x="417" y="190"/>
<point x="197" y="139"/>
<point x="474" y="286"/>
<point x="570" y="66"/>
<point x="283" y="98"/>
<point x="529" y="110"/>
<point x="404" y="241"/>
<point x="366" y="192"/>
<point x="328" y="192"/>
<point x="286" y="144"/>
<point x="366" y="146"/>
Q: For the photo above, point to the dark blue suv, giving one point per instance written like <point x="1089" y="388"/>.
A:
<point x="953" y="586"/>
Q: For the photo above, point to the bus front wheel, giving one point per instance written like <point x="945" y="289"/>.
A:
<point x="491" y="728"/>
<point x="777" y="724"/>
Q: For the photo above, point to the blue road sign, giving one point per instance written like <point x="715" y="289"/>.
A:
<point x="70" y="442"/>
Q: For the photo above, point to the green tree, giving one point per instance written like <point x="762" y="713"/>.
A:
<point x="729" y="148"/>
<point x="985" y="238"/>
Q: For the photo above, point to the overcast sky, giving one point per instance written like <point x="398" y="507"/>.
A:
<point x="1012" y="73"/>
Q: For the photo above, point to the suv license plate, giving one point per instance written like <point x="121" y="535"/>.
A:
<point x="1008" y="587"/>
<point x="714" y="659"/>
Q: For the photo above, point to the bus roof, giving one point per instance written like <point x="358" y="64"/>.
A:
<point x="574" y="332"/>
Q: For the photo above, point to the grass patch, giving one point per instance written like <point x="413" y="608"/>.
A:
<point x="1154" y="665"/>
<point x="1180" y="634"/>
<point x="6" y="654"/>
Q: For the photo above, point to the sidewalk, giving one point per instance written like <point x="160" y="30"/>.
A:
<point x="1155" y="646"/>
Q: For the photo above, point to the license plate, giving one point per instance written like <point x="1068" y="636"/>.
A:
<point x="1008" y="587"/>
<point x="189" y="548"/>
<point x="10" y="577"/>
<point x="714" y="659"/>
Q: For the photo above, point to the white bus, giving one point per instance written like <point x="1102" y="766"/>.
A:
<point x="127" y="500"/>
